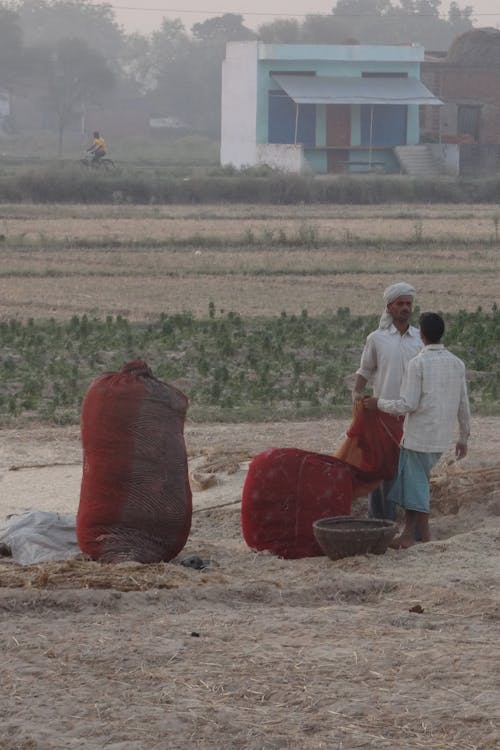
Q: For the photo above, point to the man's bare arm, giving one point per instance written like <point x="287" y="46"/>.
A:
<point x="358" y="388"/>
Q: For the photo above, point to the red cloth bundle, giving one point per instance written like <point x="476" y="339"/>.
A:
<point x="371" y="448"/>
<point x="285" y="491"/>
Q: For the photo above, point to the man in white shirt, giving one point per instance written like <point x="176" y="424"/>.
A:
<point x="433" y="398"/>
<point x="384" y="359"/>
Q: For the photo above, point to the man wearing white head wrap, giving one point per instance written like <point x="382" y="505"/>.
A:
<point x="391" y="293"/>
<point x="383" y="364"/>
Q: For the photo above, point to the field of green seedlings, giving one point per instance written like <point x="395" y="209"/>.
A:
<point x="257" y="312"/>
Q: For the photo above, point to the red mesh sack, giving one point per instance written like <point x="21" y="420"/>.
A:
<point x="371" y="447"/>
<point x="285" y="491"/>
<point x="135" y="499"/>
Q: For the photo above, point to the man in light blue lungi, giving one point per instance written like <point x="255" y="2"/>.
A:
<point x="433" y="397"/>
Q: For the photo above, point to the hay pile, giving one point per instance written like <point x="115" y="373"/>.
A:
<point x="454" y="487"/>
<point x="204" y="472"/>
<point x="85" y="574"/>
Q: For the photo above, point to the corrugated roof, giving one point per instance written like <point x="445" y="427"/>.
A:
<point x="352" y="90"/>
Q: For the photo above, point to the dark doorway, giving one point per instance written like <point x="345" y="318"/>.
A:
<point x="469" y="117"/>
<point x="338" y="136"/>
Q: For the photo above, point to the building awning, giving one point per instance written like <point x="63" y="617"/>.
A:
<point x="307" y="89"/>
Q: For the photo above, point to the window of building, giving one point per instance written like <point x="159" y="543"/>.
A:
<point x="290" y="122"/>
<point x="387" y="126"/>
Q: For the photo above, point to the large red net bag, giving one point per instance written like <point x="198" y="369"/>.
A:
<point x="285" y="491"/>
<point x="371" y="447"/>
<point x="135" y="499"/>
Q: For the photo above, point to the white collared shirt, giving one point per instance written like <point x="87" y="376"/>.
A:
<point x="385" y="358"/>
<point x="433" y="397"/>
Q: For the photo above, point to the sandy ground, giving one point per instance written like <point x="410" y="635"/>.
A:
<point x="395" y="651"/>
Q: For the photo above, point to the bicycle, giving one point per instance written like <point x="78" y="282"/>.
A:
<point x="105" y="163"/>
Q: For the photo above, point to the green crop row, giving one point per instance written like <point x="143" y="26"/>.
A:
<point x="232" y="368"/>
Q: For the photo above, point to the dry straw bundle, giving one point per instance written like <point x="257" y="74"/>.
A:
<point x="84" y="574"/>
<point x="204" y="475"/>
<point x="453" y="487"/>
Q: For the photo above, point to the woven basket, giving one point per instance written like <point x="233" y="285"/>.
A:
<point x="344" y="536"/>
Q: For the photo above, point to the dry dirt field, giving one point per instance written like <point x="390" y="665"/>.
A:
<point x="398" y="651"/>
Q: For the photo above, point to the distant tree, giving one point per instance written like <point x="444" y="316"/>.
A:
<point x="417" y="21"/>
<point x="281" y="31"/>
<point x="460" y="19"/>
<point x="208" y="52"/>
<point x="168" y="68"/>
<point x="75" y="76"/>
<point x="45" y="22"/>
<point x="170" y="45"/>
<point x="357" y="10"/>
<point x="373" y="22"/>
<point x="324" y="30"/>
<point x="187" y="68"/>
<point x="226" y="28"/>
<point x="429" y="8"/>
<point x="315" y="29"/>
<point x="12" y="54"/>
<point x="136" y="64"/>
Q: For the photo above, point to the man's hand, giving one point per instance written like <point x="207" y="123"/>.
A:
<point x="460" y="451"/>
<point x="358" y="389"/>
<point x="370" y="403"/>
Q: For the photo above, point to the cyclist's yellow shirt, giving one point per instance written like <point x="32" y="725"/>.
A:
<point x="100" y="143"/>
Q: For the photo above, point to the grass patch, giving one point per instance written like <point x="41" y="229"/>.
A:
<point x="187" y="182"/>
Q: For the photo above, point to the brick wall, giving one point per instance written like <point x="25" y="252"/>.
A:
<point x="464" y="86"/>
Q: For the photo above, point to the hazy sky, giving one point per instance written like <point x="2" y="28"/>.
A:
<point x="146" y="15"/>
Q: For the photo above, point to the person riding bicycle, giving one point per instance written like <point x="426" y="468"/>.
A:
<point x="98" y="148"/>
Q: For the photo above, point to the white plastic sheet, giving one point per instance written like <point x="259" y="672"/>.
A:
<point x="37" y="536"/>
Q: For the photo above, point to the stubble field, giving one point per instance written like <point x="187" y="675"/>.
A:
<point x="397" y="652"/>
<point x="143" y="261"/>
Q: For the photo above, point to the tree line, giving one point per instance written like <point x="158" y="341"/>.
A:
<point x="75" y="54"/>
